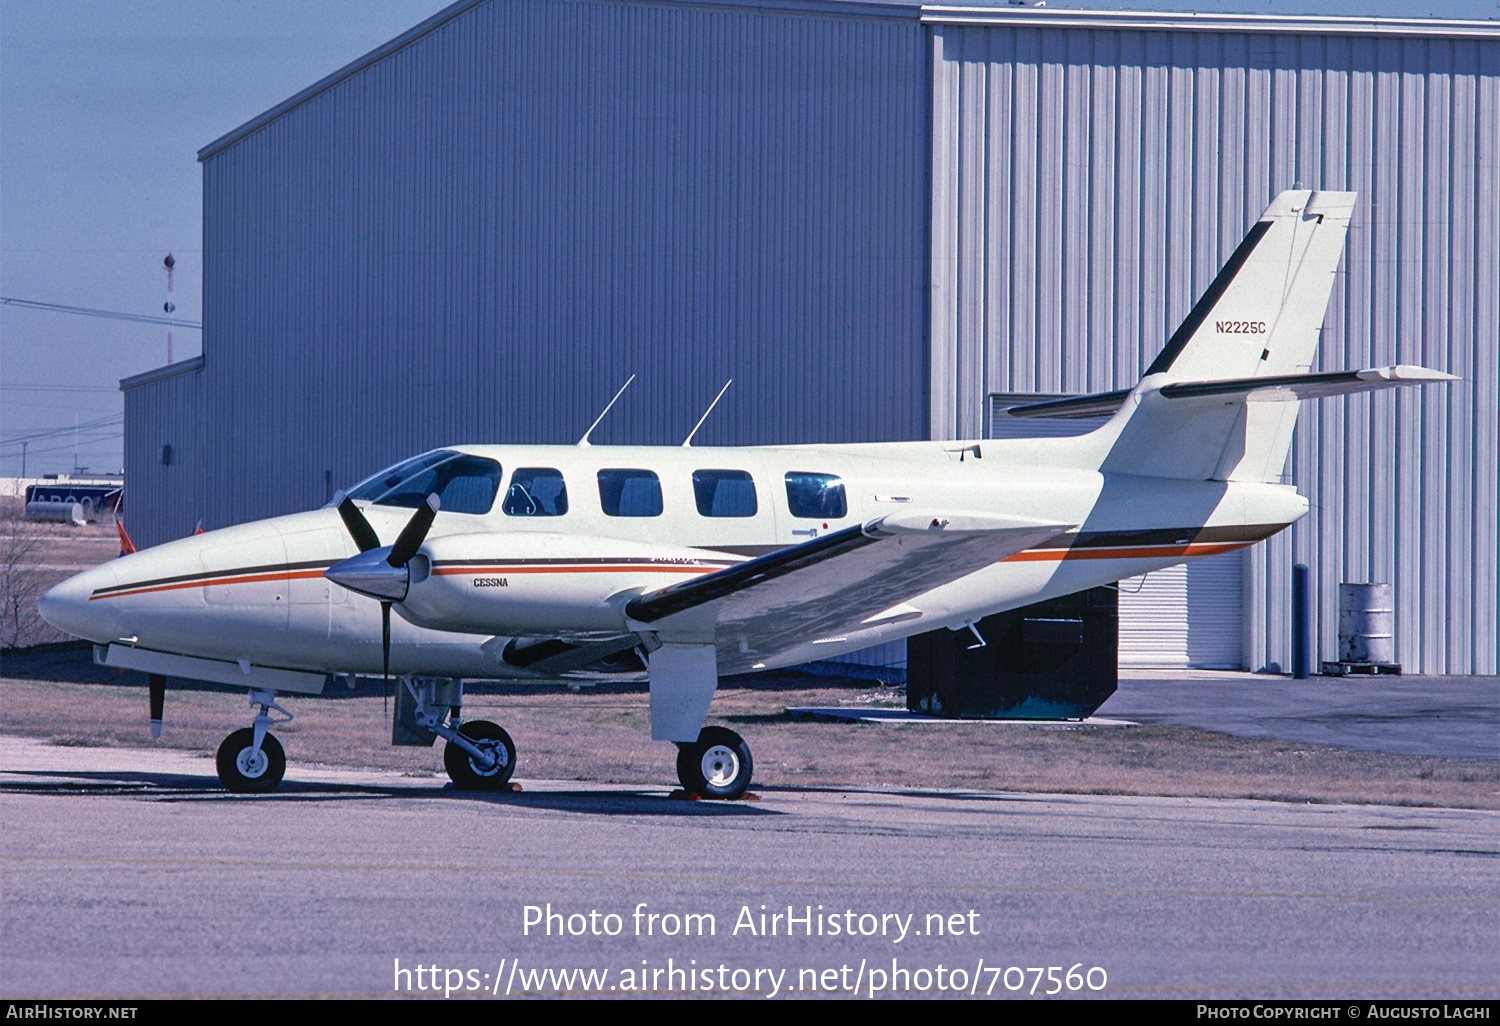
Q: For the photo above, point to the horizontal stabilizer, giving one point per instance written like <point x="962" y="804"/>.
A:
<point x="1282" y="386"/>
<point x="1101" y="404"/>
<point x="1308" y="386"/>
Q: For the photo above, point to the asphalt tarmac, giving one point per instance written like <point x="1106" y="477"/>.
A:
<point x="129" y="873"/>
<point x="1453" y="717"/>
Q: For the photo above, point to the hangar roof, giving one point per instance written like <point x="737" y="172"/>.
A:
<point x="997" y="13"/>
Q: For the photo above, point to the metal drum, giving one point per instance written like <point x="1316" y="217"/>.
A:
<point x="1367" y="623"/>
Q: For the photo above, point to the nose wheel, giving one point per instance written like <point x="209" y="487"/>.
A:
<point x="246" y="769"/>
<point x="717" y="765"/>
<point x="251" y="760"/>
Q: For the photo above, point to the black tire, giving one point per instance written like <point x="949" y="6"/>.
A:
<point x="717" y="765"/>
<point x="460" y="765"/>
<point x="242" y="773"/>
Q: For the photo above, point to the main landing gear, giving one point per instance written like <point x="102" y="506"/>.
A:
<point x="489" y="768"/>
<point x="479" y="755"/>
<point x="717" y="765"/>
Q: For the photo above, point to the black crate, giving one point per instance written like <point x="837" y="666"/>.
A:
<point x="1057" y="659"/>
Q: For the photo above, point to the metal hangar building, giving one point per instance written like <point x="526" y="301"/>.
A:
<point x="884" y="221"/>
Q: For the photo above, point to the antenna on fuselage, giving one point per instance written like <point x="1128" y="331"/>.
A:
<point x="584" y="441"/>
<point x="688" y="441"/>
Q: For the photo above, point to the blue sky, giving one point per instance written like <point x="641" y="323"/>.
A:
<point x="103" y="107"/>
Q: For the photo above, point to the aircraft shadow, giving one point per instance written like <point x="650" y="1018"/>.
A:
<point x="179" y="787"/>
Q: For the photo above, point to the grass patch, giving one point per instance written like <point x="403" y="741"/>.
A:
<point x="603" y="735"/>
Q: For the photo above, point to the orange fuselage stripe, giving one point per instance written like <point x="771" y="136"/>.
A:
<point x="1026" y="556"/>
<point x="248" y="579"/>
<point x="628" y="568"/>
<point x="1139" y="552"/>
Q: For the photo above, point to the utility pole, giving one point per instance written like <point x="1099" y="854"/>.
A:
<point x="23" y="459"/>
<point x="169" y="306"/>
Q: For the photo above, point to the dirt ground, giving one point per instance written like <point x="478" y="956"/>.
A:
<point x="602" y="735"/>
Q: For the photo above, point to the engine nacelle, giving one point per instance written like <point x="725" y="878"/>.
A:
<point x="549" y="584"/>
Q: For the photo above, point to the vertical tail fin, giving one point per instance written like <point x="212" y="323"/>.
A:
<point x="1221" y="400"/>
<point x="1262" y="314"/>
<point x="1260" y="318"/>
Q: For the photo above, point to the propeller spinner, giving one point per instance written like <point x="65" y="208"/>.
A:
<point x="380" y="571"/>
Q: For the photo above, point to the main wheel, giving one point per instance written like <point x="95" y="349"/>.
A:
<point x="717" y="765"/>
<point x="245" y="769"/>
<point x="469" y="776"/>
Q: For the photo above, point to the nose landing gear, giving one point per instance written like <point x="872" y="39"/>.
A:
<point x="251" y="760"/>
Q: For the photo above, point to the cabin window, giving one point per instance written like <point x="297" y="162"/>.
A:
<point x="630" y="493"/>
<point x="464" y="484"/>
<point x="816" y="496"/>
<point x="724" y="493"/>
<point x="536" y="492"/>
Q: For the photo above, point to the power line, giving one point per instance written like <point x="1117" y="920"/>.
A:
<point x="85" y="311"/>
<point x="87" y="425"/>
<point x="68" y="447"/>
<point x="58" y="388"/>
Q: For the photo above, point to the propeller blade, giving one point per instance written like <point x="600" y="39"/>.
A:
<point x="415" y="531"/>
<point x="359" y="528"/>
<point x="157" y="685"/>
<point x="385" y="657"/>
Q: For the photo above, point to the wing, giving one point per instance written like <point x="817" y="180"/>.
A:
<point x="832" y="584"/>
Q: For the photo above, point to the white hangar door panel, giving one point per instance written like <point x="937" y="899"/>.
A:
<point x="1185" y="615"/>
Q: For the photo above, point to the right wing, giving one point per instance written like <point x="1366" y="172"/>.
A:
<point x="831" y="585"/>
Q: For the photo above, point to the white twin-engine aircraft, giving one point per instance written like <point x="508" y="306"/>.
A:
<point x="678" y="565"/>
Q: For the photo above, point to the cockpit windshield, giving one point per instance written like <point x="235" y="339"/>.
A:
<point x="464" y="484"/>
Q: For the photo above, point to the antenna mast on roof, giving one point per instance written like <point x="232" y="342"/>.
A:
<point x="584" y="441"/>
<point x="688" y="441"/>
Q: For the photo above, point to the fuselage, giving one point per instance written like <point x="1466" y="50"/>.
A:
<point x="553" y="541"/>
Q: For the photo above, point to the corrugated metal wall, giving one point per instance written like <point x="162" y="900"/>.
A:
<point x="481" y="235"/>
<point x="164" y="501"/>
<point x="1087" y="185"/>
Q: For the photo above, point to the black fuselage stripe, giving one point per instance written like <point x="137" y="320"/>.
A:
<point x="209" y="575"/>
<point x="813" y="549"/>
<point x="323" y="564"/>
<point x="1243" y="533"/>
<point x="587" y="561"/>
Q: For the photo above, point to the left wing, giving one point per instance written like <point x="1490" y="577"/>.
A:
<point x="832" y="584"/>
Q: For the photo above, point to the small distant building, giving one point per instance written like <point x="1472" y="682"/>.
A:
<point x="884" y="221"/>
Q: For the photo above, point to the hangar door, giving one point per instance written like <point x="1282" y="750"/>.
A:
<point x="1189" y="615"/>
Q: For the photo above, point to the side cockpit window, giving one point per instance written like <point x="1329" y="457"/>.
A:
<point x="464" y="484"/>
<point x="724" y="493"/>
<point x="630" y="493"/>
<point x="536" y="492"/>
<point x="816" y="496"/>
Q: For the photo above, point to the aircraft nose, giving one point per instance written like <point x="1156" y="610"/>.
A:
<point x="67" y="606"/>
